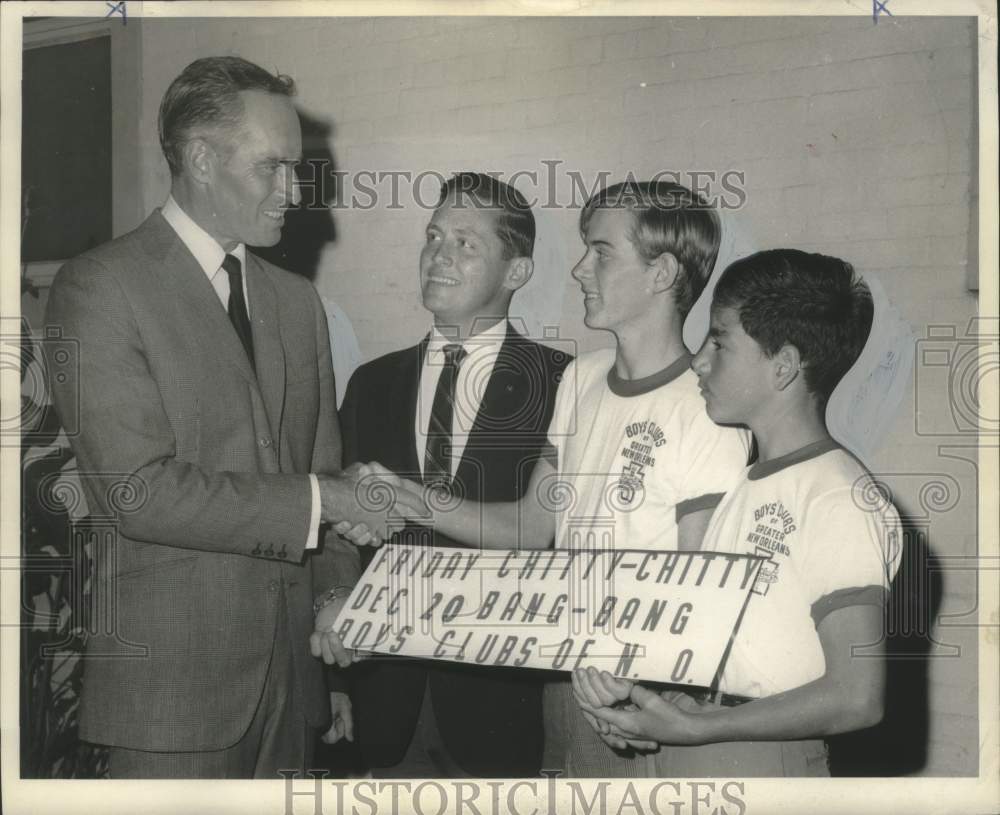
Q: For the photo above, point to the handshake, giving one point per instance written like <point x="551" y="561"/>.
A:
<point x="363" y="501"/>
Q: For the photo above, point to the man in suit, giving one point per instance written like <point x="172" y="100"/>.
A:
<point x="209" y="439"/>
<point x="467" y="407"/>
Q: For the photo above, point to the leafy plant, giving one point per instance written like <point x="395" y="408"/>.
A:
<point x="53" y="633"/>
<point x="53" y="622"/>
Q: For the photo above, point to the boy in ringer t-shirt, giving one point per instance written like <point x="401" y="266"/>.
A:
<point x="630" y="440"/>
<point x="786" y="326"/>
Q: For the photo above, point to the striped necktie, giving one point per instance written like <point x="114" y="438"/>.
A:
<point x="437" y="459"/>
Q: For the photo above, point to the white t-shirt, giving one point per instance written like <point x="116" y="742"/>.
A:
<point x="833" y="541"/>
<point x="635" y="455"/>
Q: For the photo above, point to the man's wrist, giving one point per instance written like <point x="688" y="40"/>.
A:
<point x="334" y="494"/>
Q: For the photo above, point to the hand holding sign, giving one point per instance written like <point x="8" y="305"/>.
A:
<point x="658" y="718"/>
<point x="324" y="642"/>
<point x="595" y="690"/>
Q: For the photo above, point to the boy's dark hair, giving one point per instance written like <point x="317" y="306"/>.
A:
<point x="815" y="302"/>
<point x="667" y="218"/>
<point x="515" y="222"/>
<point x="206" y="94"/>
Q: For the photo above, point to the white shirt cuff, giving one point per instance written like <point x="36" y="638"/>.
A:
<point x="312" y="538"/>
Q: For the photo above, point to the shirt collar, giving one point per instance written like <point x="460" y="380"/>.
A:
<point x="762" y="469"/>
<point x="637" y="387"/>
<point x="490" y="339"/>
<point x="204" y="247"/>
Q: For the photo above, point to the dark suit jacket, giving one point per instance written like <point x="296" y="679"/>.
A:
<point x="489" y="718"/>
<point x="211" y="538"/>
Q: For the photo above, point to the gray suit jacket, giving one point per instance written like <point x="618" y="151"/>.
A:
<point x="199" y="468"/>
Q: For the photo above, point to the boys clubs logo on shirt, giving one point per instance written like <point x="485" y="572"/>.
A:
<point x="774" y="524"/>
<point x="644" y="438"/>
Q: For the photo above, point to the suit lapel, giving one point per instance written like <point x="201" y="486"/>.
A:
<point x="506" y="394"/>
<point x="269" y="353"/>
<point x="198" y="300"/>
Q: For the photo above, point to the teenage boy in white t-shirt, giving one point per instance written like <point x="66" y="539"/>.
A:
<point x="807" y="660"/>
<point x="629" y="439"/>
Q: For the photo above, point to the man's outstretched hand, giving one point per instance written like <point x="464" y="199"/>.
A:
<point x="359" y="504"/>
<point x="396" y="499"/>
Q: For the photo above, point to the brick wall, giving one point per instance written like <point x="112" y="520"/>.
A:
<point x="855" y="139"/>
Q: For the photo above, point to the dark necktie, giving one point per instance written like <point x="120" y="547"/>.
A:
<point x="237" y="309"/>
<point x="437" y="459"/>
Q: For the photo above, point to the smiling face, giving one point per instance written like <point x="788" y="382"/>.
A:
<point x="253" y="179"/>
<point x="734" y="373"/>
<point x="463" y="272"/>
<point x="615" y="279"/>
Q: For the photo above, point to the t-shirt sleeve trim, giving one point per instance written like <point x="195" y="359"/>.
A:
<point x="842" y="598"/>
<point x="707" y="501"/>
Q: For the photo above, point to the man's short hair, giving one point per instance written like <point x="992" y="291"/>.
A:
<point x="206" y="95"/>
<point x="667" y="217"/>
<point x="815" y="302"/>
<point x="515" y="224"/>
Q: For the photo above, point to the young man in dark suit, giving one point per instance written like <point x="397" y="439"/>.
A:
<point x="467" y="407"/>
<point x="208" y="438"/>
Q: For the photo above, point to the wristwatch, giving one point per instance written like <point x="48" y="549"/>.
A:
<point x="335" y="593"/>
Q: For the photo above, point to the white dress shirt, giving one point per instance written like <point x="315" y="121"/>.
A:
<point x="210" y="254"/>
<point x="474" y="375"/>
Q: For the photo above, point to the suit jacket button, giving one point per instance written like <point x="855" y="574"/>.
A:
<point x="264" y="441"/>
<point x="272" y="586"/>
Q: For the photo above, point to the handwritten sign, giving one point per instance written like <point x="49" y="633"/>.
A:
<point x="662" y="616"/>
